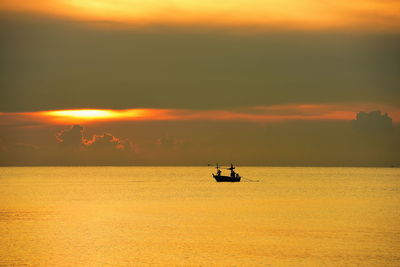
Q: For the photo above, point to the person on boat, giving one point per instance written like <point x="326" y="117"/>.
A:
<point x="218" y="172"/>
<point x="233" y="173"/>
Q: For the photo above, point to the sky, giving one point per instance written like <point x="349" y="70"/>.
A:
<point x="185" y="82"/>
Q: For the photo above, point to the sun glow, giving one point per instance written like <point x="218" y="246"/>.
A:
<point x="97" y="114"/>
<point x="83" y="113"/>
<point x="344" y="112"/>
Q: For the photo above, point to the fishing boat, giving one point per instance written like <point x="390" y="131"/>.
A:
<point x="234" y="177"/>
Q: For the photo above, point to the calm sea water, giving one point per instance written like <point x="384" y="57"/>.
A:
<point x="178" y="216"/>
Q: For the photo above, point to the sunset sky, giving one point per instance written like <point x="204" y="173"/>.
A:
<point x="188" y="82"/>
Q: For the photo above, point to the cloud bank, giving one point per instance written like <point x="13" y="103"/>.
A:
<point x="261" y="114"/>
<point x="369" y="140"/>
<point x="51" y="64"/>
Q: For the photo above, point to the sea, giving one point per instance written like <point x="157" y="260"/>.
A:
<point x="179" y="216"/>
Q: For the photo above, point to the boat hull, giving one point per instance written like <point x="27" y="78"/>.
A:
<point x="221" y="178"/>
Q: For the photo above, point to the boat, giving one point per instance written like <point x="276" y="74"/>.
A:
<point x="234" y="177"/>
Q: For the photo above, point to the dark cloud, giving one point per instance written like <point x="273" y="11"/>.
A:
<point x="74" y="138"/>
<point x="104" y="149"/>
<point x="373" y="122"/>
<point x="107" y="141"/>
<point x="53" y="64"/>
<point x="71" y="138"/>
<point x="289" y="143"/>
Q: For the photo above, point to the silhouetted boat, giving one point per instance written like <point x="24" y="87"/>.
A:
<point x="234" y="177"/>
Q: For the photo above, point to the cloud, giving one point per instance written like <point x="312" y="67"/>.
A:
<point x="71" y="138"/>
<point x="301" y="142"/>
<point x="99" y="149"/>
<point x="74" y="138"/>
<point x="372" y="122"/>
<point x="107" y="141"/>
<point x="272" y="113"/>
<point x="171" y="68"/>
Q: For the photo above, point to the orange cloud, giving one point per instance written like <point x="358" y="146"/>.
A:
<point x="255" y="114"/>
<point x="309" y="14"/>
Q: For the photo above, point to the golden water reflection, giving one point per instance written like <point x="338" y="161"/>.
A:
<point x="121" y="216"/>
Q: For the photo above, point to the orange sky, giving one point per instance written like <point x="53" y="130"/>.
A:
<point x="309" y="14"/>
<point x="255" y="114"/>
